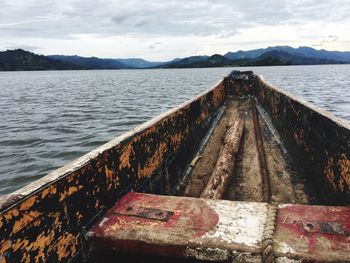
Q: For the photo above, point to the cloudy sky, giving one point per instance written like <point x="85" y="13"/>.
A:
<point x="162" y="30"/>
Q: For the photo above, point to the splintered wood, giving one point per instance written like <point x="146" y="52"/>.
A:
<point x="224" y="167"/>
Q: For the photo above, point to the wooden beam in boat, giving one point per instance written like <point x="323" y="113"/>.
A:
<point x="225" y="164"/>
<point x="221" y="230"/>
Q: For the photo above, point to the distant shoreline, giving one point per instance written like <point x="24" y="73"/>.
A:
<point x="21" y="60"/>
<point x="135" y="69"/>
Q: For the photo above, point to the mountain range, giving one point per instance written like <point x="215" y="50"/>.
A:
<point x="19" y="59"/>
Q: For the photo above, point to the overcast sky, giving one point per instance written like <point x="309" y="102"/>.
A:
<point x="161" y="30"/>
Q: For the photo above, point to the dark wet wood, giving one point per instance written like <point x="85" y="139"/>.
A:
<point x="266" y="186"/>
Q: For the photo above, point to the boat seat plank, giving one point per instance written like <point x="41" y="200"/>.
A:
<point x="180" y="226"/>
<point x="219" y="230"/>
<point x="320" y="233"/>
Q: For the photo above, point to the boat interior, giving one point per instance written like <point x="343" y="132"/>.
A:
<point x="287" y="182"/>
<point x="244" y="172"/>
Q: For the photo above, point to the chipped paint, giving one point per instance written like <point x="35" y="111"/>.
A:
<point x="244" y="221"/>
<point x="194" y="227"/>
<point x="320" y="233"/>
<point x="344" y="168"/>
<point x="59" y="206"/>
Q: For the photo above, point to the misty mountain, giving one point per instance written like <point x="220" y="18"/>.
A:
<point x="184" y="62"/>
<point x="280" y="55"/>
<point x="269" y="58"/>
<point x="199" y="62"/>
<point x="295" y="58"/>
<point x="19" y="59"/>
<point x="91" y="62"/>
<point x="341" y="56"/>
<point x="138" y="63"/>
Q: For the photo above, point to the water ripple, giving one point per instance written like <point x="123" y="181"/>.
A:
<point x="50" y="118"/>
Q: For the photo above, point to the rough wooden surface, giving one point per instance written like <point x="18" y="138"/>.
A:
<point x="225" y="164"/>
<point x="186" y="227"/>
<point x="317" y="233"/>
<point x="220" y="230"/>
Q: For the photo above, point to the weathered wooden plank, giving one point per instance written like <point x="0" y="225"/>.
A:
<point x="185" y="227"/>
<point x="225" y="164"/>
<point x="219" y="230"/>
<point x="320" y="233"/>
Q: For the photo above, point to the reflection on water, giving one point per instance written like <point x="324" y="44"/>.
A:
<point x="50" y="118"/>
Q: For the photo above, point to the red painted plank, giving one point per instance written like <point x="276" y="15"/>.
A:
<point x="189" y="220"/>
<point x="313" y="232"/>
<point x="180" y="226"/>
<point x="221" y="230"/>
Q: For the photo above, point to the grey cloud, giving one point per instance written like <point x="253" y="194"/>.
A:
<point x="229" y="34"/>
<point x="221" y="18"/>
<point x="25" y="47"/>
<point x="328" y="39"/>
<point x="121" y="17"/>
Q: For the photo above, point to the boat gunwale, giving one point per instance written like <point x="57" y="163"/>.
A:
<point x="343" y="123"/>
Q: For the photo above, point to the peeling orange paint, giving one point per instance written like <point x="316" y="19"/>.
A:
<point x="21" y="243"/>
<point x="218" y="94"/>
<point x="28" y="203"/>
<point x="65" y="247"/>
<point x="176" y="139"/>
<point x="49" y="190"/>
<point x="26" y="219"/>
<point x="153" y="162"/>
<point x="42" y="242"/>
<point x="6" y="245"/>
<point x="344" y="167"/>
<point x="11" y="213"/>
<point x="71" y="190"/>
<point x="328" y="171"/>
<point x="125" y="156"/>
<point x="109" y="176"/>
<point x="2" y="259"/>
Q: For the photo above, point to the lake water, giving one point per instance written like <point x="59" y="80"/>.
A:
<point x="49" y="118"/>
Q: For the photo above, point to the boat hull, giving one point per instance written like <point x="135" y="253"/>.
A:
<point x="47" y="220"/>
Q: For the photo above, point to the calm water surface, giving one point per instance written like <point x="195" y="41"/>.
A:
<point x="50" y="118"/>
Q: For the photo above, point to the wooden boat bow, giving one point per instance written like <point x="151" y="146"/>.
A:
<point x="119" y="192"/>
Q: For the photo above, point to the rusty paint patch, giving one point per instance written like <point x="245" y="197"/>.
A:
<point x="313" y="232"/>
<point x="189" y="223"/>
<point x="344" y="168"/>
<point x="329" y="172"/>
<point x="183" y="221"/>
<point x="186" y="214"/>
